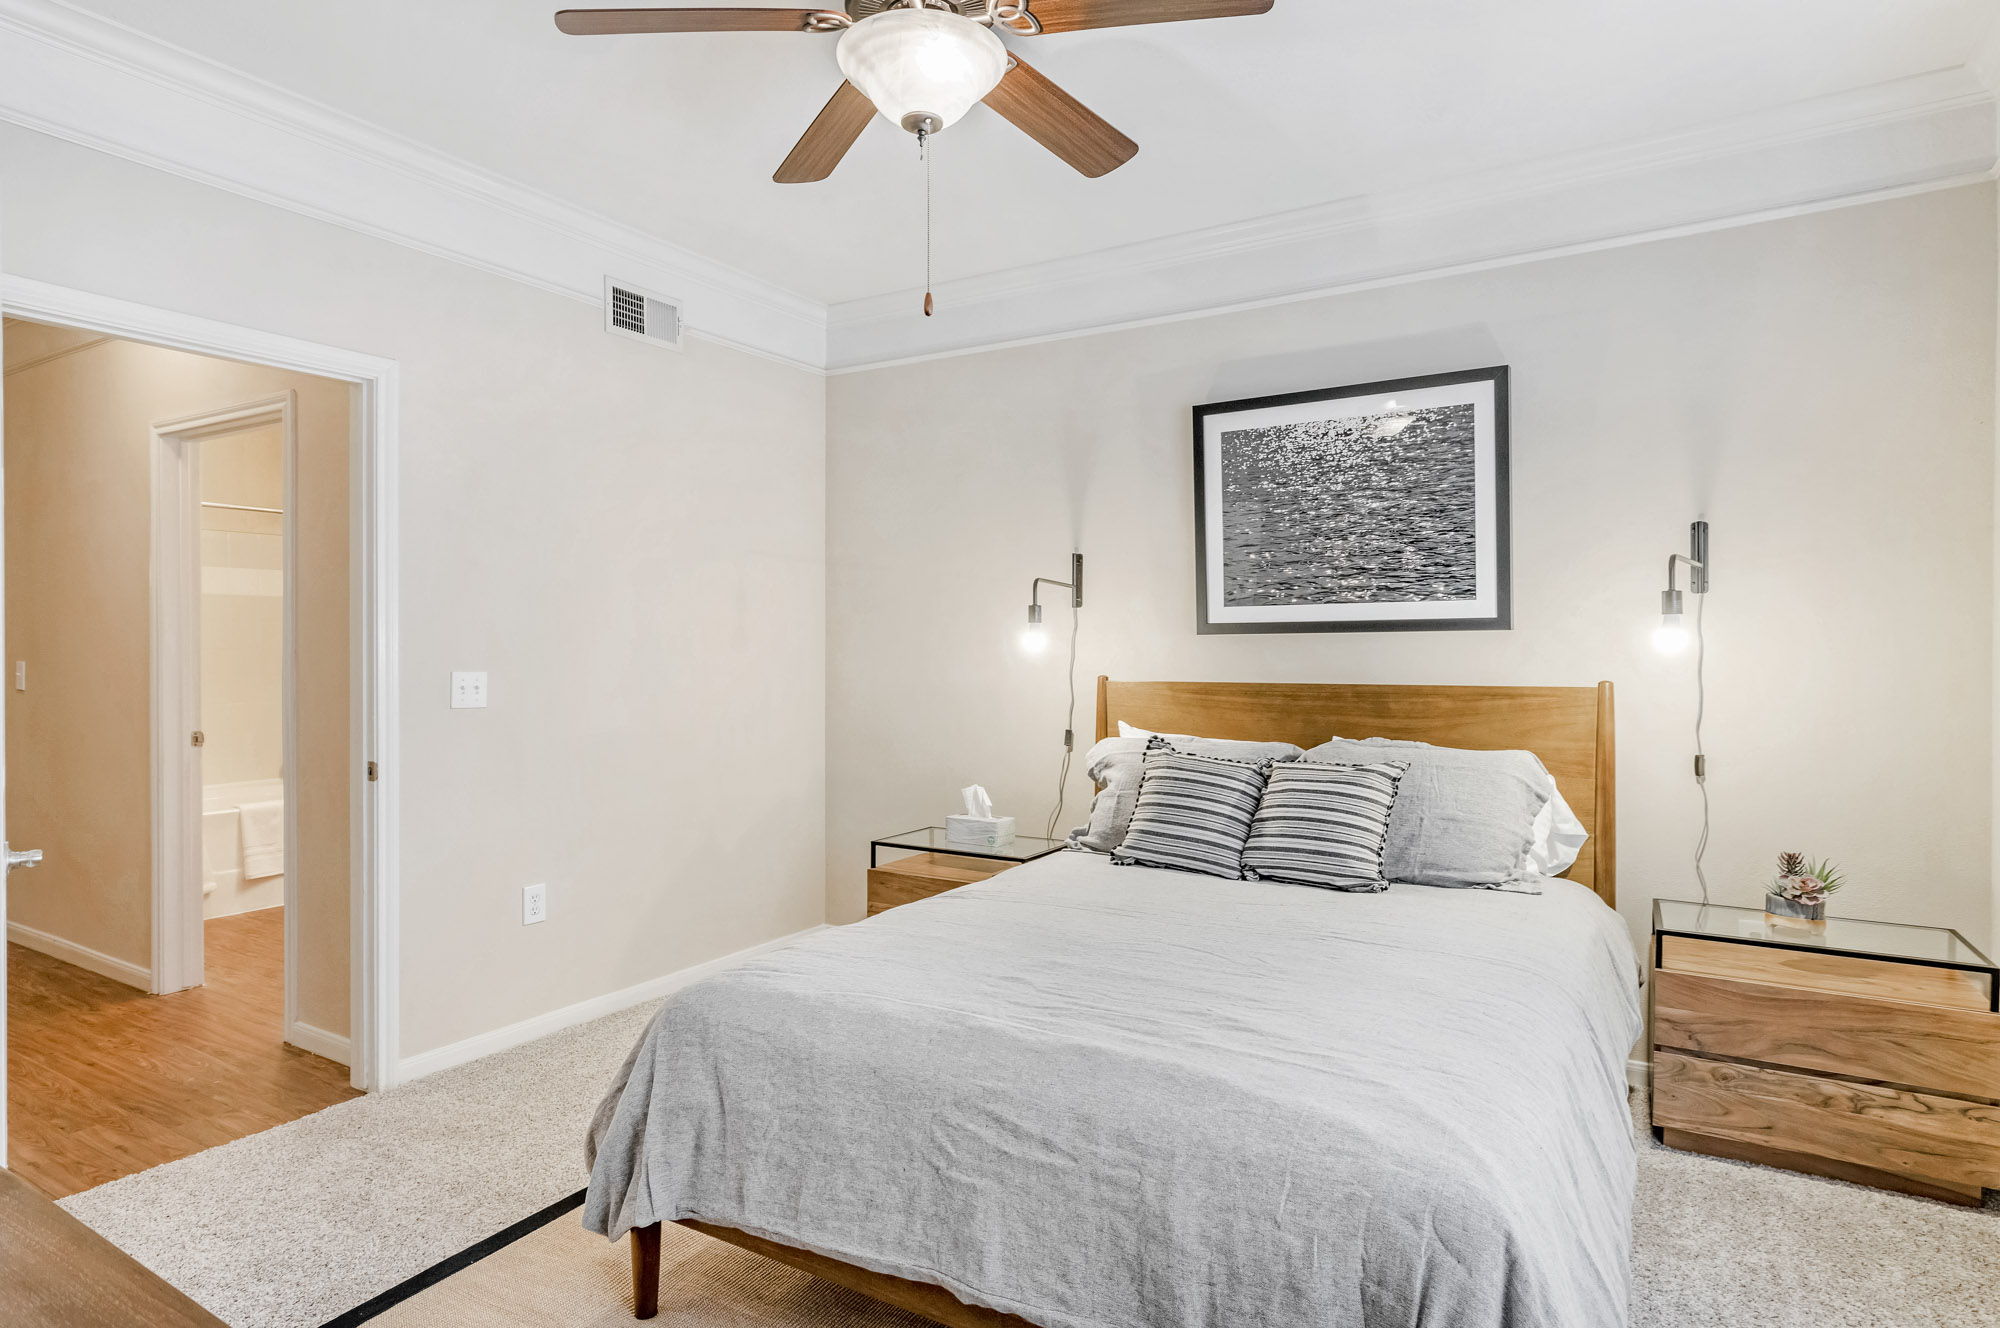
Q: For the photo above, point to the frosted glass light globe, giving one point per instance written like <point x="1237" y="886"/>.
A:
<point x="1670" y="637"/>
<point x="921" y="67"/>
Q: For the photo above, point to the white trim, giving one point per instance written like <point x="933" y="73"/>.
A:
<point x="1930" y="131"/>
<point x="118" y="970"/>
<point x="528" y="1030"/>
<point x="177" y="660"/>
<point x="376" y="882"/>
<point x="1427" y="274"/>
<point x="288" y="711"/>
<point x="97" y="82"/>
<point x="1639" y="1072"/>
<point x="309" y="1037"/>
<point x="376" y="913"/>
<point x="174" y="665"/>
<point x="107" y="86"/>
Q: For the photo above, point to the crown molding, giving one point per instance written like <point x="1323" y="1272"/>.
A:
<point x="99" y="83"/>
<point x="1930" y="131"/>
<point x="1987" y="62"/>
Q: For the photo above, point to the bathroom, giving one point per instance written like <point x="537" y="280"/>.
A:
<point x="242" y="671"/>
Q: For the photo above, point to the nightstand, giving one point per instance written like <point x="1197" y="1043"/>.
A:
<point x="936" y="865"/>
<point x="1865" y="1051"/>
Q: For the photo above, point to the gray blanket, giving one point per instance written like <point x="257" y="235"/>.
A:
<point x="1094" y="1095"/>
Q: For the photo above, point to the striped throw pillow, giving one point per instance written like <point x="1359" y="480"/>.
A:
<point x="1324" y="825"/>
<point x="1193" y="812"/>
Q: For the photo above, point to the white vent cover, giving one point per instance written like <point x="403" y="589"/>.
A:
<point x="632" y="312"/>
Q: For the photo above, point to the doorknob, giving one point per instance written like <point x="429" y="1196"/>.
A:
<point x="18" y="858"/>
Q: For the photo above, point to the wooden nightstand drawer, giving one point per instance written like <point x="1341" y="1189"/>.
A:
<point x="1944" y="1050"/>
<point x="922" y="875"/>
<point x="1946" y="1139"/>
<point x="1847" y="974"/>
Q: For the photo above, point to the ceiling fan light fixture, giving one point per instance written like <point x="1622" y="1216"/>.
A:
<point x="923" y="68"/>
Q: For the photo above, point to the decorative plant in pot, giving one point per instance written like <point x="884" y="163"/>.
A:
<point x="1801" y="888"/>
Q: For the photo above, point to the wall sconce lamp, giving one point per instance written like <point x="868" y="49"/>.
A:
<point x="1672" y="638"/>
<point x="1035" y="637"/>
<point x="1034" y="640"/>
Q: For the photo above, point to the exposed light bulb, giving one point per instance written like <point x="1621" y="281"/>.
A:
<point x="1670" y="638"/>
<point x="1034" y="637"/>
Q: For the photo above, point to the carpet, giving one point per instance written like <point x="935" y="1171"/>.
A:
<point x="301" y="1224"/>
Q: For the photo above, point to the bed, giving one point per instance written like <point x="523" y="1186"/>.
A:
<point x="1089" y="1096"/>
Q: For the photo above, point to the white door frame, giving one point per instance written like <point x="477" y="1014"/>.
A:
<point x="374" y="742"/>
<point x="179" y="867"/>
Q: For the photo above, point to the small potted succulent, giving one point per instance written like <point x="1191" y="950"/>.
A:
<point x="1801" y="888"/>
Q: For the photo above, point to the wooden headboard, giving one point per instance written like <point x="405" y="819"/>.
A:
<point x="1570" y="728"/>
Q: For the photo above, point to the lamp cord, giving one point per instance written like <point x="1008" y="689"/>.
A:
<point x="1069" y="728"/>
<point x="1701" y="760"/>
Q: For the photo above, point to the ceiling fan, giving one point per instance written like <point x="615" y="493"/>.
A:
<point x="924" y="63"/>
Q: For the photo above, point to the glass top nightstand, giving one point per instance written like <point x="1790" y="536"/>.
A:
<point x="1893" y="942"/>
<point x="932" y="839"/>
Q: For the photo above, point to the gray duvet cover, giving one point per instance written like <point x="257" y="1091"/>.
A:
<point x="1094" y="1095"/>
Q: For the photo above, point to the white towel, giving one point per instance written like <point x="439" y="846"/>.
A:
<point x="263" y="836"/>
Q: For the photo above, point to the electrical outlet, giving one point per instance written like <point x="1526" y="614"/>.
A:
<point x="468" y="691"/>
<point x="534" y="904"/>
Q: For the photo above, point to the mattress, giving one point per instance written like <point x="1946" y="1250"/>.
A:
<point x="1096" y="1095"/>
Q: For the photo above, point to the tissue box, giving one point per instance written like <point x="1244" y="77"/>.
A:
<point x="979" y="831"/>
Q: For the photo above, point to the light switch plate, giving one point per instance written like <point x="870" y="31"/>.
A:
<point x="468" y="691"/>
<point x="20" y="675"/>
<point x="534" y="904"/>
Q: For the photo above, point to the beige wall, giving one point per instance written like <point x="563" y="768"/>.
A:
<point x="1820" y="389"/>
<point x="78" y="523"/>
<point x="630" y="541"/>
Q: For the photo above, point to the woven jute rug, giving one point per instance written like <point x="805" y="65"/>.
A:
<point x="561" y="1276"/>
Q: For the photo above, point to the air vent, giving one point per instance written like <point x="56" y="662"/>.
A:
<point x="632" y="312"/>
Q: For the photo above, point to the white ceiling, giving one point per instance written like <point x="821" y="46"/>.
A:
<point x="1239" y="118"/>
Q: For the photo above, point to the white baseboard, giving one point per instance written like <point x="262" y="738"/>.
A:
<point x="118" y="970"/>
<point x="334" y="1046"/>
<point x="528" y="1030"/>
<point x="1639" y="1072"/>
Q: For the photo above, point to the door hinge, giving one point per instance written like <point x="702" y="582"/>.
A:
<point x="197" y="738"/>
<point x="371" y="772"/>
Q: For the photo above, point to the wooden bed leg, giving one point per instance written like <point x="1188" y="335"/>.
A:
<point x="646" y="1271"/>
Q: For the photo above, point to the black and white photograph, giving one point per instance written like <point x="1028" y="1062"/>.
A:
<point x="1378" y="507"/>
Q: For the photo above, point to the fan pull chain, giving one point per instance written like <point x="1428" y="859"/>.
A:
<point x="924" y="151"/>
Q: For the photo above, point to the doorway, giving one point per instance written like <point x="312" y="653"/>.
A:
<point x="248" y="983"/>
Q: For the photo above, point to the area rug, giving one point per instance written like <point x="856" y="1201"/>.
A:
<point x="557" y="1275"/>
<point x="302" y="1224"/>
<point x="1716" y="1245"/>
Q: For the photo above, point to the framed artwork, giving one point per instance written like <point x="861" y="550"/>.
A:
<point x="1376" y="508"/>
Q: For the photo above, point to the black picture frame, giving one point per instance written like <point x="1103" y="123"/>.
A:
<point x="1491" y="604"/>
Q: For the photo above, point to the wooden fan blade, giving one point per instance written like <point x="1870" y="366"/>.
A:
<point x="613" y="22"/>
<point x="1076" y="15"/>
<point x="829" y="138"/>
<point x="1059" y="122"/>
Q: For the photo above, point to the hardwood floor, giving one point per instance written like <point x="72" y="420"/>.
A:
<point x="58" y="1273"/>
<point x="104" y="1080"/>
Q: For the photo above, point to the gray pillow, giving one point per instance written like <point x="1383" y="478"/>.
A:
<point x="1462" y="818"/>
<point x="1115" y="765"/>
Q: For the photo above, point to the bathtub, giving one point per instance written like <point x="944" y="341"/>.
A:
<point x="223" y="888"/>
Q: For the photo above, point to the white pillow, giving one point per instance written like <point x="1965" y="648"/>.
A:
<point x="1558" y="835"/>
